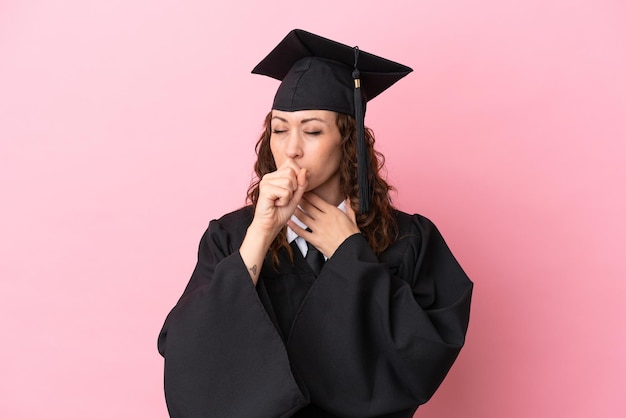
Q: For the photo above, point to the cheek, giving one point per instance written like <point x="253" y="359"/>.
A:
<point x="334" y="157"/>
<point x="335" y="162"/>
<point x="326" y="165"/>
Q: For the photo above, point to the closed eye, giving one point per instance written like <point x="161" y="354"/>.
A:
<point x="314" y="133"/>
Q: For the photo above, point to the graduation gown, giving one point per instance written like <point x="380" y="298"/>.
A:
<point x="371" y="336"/>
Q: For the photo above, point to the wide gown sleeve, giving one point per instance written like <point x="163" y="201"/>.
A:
<point x="223" y="355"/>
<point x="373" y="337"/>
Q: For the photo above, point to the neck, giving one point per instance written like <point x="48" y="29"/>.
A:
<point x="331" y="195"/>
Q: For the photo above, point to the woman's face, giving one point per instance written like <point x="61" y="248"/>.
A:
<point x="312" y="139"/>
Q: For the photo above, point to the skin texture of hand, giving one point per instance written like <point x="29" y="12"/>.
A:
<point x="279" y="195"/>
<point x="330" y="226"/>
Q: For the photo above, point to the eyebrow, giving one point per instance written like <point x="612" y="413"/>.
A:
<point x="303" y="121"/>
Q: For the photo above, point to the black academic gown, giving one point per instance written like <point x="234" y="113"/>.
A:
<point x="371" y="336"/>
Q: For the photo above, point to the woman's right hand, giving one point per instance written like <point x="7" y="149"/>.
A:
<point x="279" y="194"/>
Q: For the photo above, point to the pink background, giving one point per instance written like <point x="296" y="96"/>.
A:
<point x="126" y="126"/>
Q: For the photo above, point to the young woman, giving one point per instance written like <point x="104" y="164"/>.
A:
<point x="320" y="299"/>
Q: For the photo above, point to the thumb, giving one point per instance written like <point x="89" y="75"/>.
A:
<point x="302" y="184"/>
<point x="297" y="195"/>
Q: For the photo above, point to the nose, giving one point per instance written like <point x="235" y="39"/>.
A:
<point x="294" y="145"/>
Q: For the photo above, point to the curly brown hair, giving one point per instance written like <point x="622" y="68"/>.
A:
<point x="378" y="225"/>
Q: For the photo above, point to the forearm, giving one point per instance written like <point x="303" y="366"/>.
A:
<point x="253" y="250"/>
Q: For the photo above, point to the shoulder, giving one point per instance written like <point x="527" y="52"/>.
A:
<point x="240" y="218"/>
<point x="412" y="225"/>
<point x="414" y="230"/>
<point x="419" y="237"/>
<point x="420" y="256"/>
<point x="231" y="227"/>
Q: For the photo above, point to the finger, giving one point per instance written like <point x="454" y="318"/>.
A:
<point x="286" y="174"/>
<point x="309" y="207"/>
<point x="304" y="217"/>
<point x="281" y="196"/>
<point x="301" y="232"/>
<point x="302" y="183"/>
<point x="286" y="182"/>
<point x="319" y="203"/>
<point x="303" y="177"/>
<point x="282" y="175"/>
<point x="290" y="163"/>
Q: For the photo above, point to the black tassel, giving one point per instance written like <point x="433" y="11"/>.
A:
<point x="362" y="154"/>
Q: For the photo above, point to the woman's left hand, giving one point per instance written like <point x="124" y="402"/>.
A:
<point x="330" y="226"/>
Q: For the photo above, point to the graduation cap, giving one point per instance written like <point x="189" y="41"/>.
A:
<point x="320" y="74"/>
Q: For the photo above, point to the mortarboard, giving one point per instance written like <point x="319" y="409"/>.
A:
<point x="320" y="74"/>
